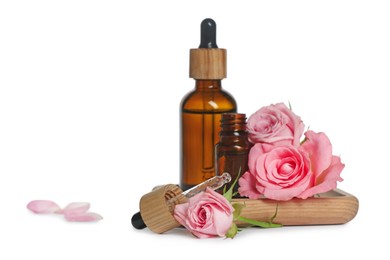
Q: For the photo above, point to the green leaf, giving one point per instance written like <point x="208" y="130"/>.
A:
<point x="232" y="232"/>
<point x="229" y="194"/>
<point x="289" y="105"/>
<point x="258" y="223"/>
<point x="237" y="210"/>
<point x="263" y="224"/>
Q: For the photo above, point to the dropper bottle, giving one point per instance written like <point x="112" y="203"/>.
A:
<point x="201" y="109"/>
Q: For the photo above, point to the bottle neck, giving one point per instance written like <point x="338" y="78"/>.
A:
<point x="233" y="129"/>
<point x="208" y="84"/>
<point x="233" y="138"/>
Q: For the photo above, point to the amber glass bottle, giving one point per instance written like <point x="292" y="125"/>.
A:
<point x="233" y="147"/>
<point x="201" y="109"/>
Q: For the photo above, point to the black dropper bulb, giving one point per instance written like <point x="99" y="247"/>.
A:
<point x="137" y="221"/>
<point x="208" y="34"/>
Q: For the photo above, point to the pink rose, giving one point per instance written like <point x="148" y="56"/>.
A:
<point x="275" y="124"/>
<point x="278" y="172"/>
<point x="207" y="214"/>
<point x="284" y="172"/>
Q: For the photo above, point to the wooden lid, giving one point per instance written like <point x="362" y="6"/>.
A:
<point x="208" y="63"/>
<point x="156" y="211"/>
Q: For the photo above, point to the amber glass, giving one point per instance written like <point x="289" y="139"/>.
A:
<point x="201" y="112"/>
<point x="233" y="147"/>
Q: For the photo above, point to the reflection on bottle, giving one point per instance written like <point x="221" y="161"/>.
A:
<point x="208" y="146"/>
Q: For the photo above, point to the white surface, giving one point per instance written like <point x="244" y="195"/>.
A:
<point x="89" y="101"/>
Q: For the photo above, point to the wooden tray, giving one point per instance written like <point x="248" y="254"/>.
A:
<point x="333" y="207"/>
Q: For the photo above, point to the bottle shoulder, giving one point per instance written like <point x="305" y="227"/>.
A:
<point x="209" y="100"/>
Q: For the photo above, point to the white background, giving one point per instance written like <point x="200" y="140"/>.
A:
<point x="89" y="111"/>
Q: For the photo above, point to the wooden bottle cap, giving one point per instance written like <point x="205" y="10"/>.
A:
<point x="156" y="212"/>
<point x="208" y="63"/>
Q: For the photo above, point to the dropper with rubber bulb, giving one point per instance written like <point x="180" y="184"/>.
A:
<point x="157" y="207"/>
<point x="208" y="34"/>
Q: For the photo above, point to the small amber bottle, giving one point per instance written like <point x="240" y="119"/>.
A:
<point x="201" y="109"/>
<point x="233" y="147"/>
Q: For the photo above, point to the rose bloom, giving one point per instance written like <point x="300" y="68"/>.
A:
<point x="207" y="214"/>
<point x="284" y="172"/>
<point x="275" y="124"/>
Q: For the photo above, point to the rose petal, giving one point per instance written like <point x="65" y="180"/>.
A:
<point x="288" y="193"/>
<point x="201" y="235"/>
<point x="43" y="207"/>
<point x="295" y="123"/>
<point x="327" y="180"/>
<point x="247" y="186"/>
<point x="219" y="201"/>
<point x="82" y="216"/>
<point x="180" y="213"/>
<point x="76" y="207"/>
<point x="319" y="148"/>
<point x="333" y="172"/>
<point x="222" y="222"/>
<point x="257" y="150"/>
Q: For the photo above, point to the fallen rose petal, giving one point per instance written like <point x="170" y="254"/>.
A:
<point x="76" y="207"/>
<point x="82" y="216"/>
<point x="43" y="207"/>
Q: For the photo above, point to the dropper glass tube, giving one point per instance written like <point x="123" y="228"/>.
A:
<point x="213" y="183"/>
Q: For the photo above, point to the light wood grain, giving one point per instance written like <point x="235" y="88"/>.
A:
<point x="208" y="63"/>
<point x="334" y="207"/>
<point x="156" y="211"/>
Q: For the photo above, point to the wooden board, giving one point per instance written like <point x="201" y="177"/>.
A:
<point x="333" y="207"/>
